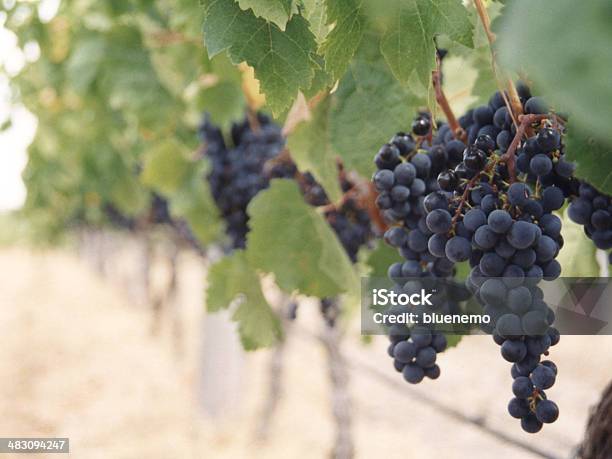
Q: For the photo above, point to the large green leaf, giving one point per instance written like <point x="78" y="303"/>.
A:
<point x="408" y="44"/>
<point x="314" y="11"/>
<point x="194" y="203"/>
<point x="593" y="158"/>
<point x="166" y="167"/>
<point x="311" y="150"/>
<point x="368" y="108"/>
<point x="85" y="61"/>
<point x="277" y="11"/>
<point x="127" y="195"/>
<point x="571" y="67"/>
<point x="381" y="258"/>
<point x="293" y="241"/>
<point x="232" y="278"/>
<point x="342" y="42"/>
<point x="176" y="65"/>
<point x="130" y="82"/>
<point x="224" y="102"/>
<point x="281" y="59"/>
<point x="577" y="257"/>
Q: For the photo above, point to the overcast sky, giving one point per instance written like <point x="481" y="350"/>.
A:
<point x="14" y="141"/>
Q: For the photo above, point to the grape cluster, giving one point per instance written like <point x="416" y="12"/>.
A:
<point x="593" y="210"/>
<point x="530" y="404"/>
<point x="476" y="210"/>
<point x="350" y="221"/>
<point x="257" y="156"/>
<point x="159" y="212"/>
<point x="405" y="179"/>
<point x="236" y="174"/>
<point x="352" y="225"/>
<point x="510" y="237"/>
<point x="414" y="352"/>
<point x="406" y="174"/>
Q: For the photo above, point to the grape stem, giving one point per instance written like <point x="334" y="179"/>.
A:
<point x="515" y="108"/>
<point x="510" y="156"/>
<point x="456" y="129"/>
<point x="464" y="198"/>
<point x="253" y="121"/>
<point x="362" y="191"/>
<point x="468" y="188"/>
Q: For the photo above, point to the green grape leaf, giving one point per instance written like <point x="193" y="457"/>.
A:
<point x="224" y="102"/>
<point x="343" y="40"/>
<point x="321" y="80"/>
<point x="408" y="44"/>
<point x="311" y="150"/>
<point x="175" y="66"/>
<point x="453" y="340"/>
<point x="281" y="59"/>
<point x="314" y="11"/>
<point x="577" y="256"/>
<point x="134" y="91"/>
<point x="233" y="279"/>
<point x="127" y="195"/>
<point x="165" y="167"/>
<point x="369" y="107"/>
<point x="194" y="203"/>
<point x="592" y="157"/>
<point x="85" y="61"/>
<point x="484" y="86"/>
<point x="572" y="70"/>
<point x="276" y="11"/>
<point x="380" y="259"/>
<point x="293" y="241"/>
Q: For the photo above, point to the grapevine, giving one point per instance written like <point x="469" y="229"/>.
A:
<point x="258" y="156"/>
<point x="310" y="170"/>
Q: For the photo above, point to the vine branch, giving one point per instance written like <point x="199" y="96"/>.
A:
<point x="510" y="156"/>
<point x="515" y="108"/>
<point x="458" y="132"/>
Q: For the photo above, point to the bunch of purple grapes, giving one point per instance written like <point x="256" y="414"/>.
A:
<point x="240" y="172"/>
<point x="236" y="173"/>
<point x="593" y="210"/>
<point x="511" y="238"/>
<point x="407" y="169"/>
<point x="476" y="210"/>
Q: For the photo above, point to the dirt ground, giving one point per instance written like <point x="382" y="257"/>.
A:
<point x="78" y="359"/>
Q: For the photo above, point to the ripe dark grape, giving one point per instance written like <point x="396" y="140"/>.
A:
<point x="448" y="180"/>
<point x="474" y="158"/>
<point x="522" y="387"/>
<point x="540" y="165"/>
<point x="458" y="249"/>
<point x="439" y="221"/>
<point x="547" y="411"/>
<point x="543" y="377"/>
<point x="421" y="126"/>
<point x="531" y="424"/>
